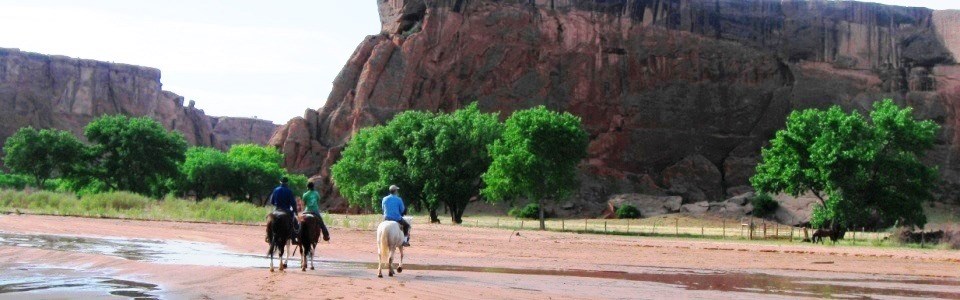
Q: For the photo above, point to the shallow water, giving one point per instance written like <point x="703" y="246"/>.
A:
<point x="205" y="254"/>
<point x="22" y="281"/>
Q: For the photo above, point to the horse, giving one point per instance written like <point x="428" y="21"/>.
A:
<point x="308" y="238"/>
<point x="833" y="234"/>
<point x="389" y="239"/>
<point x="279" y="227"/>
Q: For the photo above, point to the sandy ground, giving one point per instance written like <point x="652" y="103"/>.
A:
<point x="470" y="247"/>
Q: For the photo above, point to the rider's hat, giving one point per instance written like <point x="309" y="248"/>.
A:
<point x="394" y="188"/>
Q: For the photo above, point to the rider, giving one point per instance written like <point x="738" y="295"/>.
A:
<point x="393" y="210"/>
<point x="311" y="205"/>
<point x="282" y="198"/>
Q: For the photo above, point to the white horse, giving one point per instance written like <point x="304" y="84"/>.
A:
<point x="389" y="239"/>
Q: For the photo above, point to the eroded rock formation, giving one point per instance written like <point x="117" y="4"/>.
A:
<point x="699" y="85"/>
<point x="67" y="93"/>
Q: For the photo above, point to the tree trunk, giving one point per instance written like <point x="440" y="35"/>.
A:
<point x="456" y="214"/>
<point x="540" y="204"/>
<point x="433" y="215"/>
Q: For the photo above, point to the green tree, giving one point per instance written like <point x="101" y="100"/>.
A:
<point x="435" y="159"/>
<point x="857" y="168"/>
<point x="134" y="154"/>
<point x="257" y="170"/>
<point x="450" y="156"/>
<point x="536" y="158"/>
<point x="42" y="154"/>
<point x="375" y="158"/>
<point x="208" y="172"/>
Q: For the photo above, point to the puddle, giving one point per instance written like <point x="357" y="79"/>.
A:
<point x="205" y="254"/>
<point x="20" y="281"/>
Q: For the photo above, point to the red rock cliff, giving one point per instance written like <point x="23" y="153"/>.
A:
<point x="66" y="93"/>
<point x="678" y="95"/>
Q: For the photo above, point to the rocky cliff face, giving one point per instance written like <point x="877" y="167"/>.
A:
<point x="66" y="93"/>
<point x="678" y="95"/>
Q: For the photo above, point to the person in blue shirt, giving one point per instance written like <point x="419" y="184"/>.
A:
<point x="282" y="198"/>
<point x="393" y="210"/>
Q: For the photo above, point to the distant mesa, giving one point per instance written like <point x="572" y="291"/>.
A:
<point x="60" y="92"/>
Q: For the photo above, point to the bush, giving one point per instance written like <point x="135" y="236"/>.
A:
<point x="530" y="211"/>
<point x="42" y="201"/>
<point x="628" y="211"/>
<point x="114" y="201"/>
<point x="13" y="181"/>
<point x="764" y="205"/>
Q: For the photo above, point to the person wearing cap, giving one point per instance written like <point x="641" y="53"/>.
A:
<point x="393" y="210"/>
<point x="282" y="198"/>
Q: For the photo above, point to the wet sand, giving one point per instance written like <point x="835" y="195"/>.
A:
<point x="457" y="262"/>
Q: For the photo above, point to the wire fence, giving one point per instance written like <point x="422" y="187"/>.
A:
<point x="743" y="229"/>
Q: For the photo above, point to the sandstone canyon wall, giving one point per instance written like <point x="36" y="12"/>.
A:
<point x="66" y="93"/>
<point x="678" y="95"/>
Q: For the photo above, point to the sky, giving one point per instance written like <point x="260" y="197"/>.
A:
<point x="242" y="58"/>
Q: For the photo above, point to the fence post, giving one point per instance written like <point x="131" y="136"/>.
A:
<point x="478" y="222"/>
<point x="701" y="229"/>
<point x="676" y="226"/>
<point x="584" y="224"/>
<point x="563" y="227"/>
<point x="791" y="233"/>
<point x="498" y="222"/>
<point x="628" y="225"/>
<point x="764" y="229"/>
<point x="521" y="224"/>
<point x="604" y="226"/>
<point x="724" y="229"/>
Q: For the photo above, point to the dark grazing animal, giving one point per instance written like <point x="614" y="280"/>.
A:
<point x="833" y="234"/>
<point x="308" y="238"/>
<point x="279" y="232"/>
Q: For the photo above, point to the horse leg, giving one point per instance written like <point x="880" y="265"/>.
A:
<point x="380" y="263"/>
<point x="303" y="257"/>
<point x="390" y="262"/>
<point x="271" y="259"/>
<point x="400" y="268"/>
<point x="313" y="248"/>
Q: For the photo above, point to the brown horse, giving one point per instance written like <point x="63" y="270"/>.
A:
<point x="279" y="231"/>
<point x="833" y="234"/>
<point x="308" y="238"/>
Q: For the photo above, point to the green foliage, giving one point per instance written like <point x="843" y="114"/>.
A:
<point x="764" y="205"/>
<point x="435" y="159"/>
<point x="858" y="168"/>
<point x="627" y="211"/>
<point x="42" y="154"/>
<point x="258" y="169"/>
<point x="529" y="211"/>
<point x="537" y="157"/>
<point x="245" y="172"/>
<point x="14" y="181"/>
<point x="116" y="201"/>
<point x="129" y="205"/>
<point x="134" y="154"/>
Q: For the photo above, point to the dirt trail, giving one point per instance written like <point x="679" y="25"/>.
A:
<point x="473" y="247"/>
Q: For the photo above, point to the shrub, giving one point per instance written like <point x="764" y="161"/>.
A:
<point x="764" y="205"/>
<point x="530" y="211"/>
<point x="628" y="211"/>
<point x="13" y="181"/>
<point x="116" y="201"/>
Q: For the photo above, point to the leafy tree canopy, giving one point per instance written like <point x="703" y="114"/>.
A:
<point x="861" y="169"/>
<point x="537" y="157"/>
<point x="42" y="154"/>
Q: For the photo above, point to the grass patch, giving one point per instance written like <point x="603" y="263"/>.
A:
<point x="131" y="206"/>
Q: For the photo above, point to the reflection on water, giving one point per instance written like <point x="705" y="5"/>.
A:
<point x="20" y="281"/>
<point x="205" y="254"/>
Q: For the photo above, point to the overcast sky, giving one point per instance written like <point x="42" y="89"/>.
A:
<point x="270" y="59"/>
